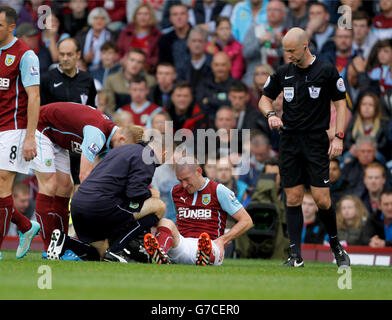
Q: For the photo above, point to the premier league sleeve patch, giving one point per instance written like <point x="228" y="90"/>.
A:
<point x="340" y="85"/>
<point x="93" y="148"/>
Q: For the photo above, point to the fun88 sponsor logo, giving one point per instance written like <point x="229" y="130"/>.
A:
<point x="4" y="83"/>
<point x="199" y="214"/>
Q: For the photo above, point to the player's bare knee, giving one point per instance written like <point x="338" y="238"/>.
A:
<point x="323" y="203"/>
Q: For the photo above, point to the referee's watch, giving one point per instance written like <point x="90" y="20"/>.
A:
<point x="270" y="113"/>
<point x="340" y="135"/>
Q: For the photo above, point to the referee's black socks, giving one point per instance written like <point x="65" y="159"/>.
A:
<point x="328" y="218"/>
<point x="295" y="222"/>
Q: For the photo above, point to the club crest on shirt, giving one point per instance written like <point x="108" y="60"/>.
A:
<point x="288" y="93"/>
<point x="314" y="92"/>
<point x="9" y="60"/>
<point x="133" y="205"/>
<point x="48" y="162"/>
<point x="206" y="199"/>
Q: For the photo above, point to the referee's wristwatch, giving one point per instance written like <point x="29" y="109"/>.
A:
<point x="340" y="135"/>
<point x="270" y="114"/>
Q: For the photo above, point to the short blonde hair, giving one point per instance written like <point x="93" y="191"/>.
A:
<point x="134" y="134"/>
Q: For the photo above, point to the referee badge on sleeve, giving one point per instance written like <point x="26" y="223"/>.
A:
<point x="288" y="93"/>
<point x="314" y="92"/>
<point x="340" y="85"/>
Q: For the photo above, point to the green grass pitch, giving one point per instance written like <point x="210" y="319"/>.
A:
<point x="234" y="280"/>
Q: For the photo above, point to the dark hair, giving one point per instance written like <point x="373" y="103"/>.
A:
<point x="178" y="4"/>
<point x="361" y="15"/>
<point x="137" y="50"/>
<point x="336" y="160"/>
<point x="238" y="86"/>
<point x="76" y="43"/>
<point x="221" y="19"/>
<point x="138" y="78"/>
<point x="326" y="10"/>
<point x="387" y="192"/>
<point x="271" y="162"/>
<point x="165" y="64"/>
<point x="181" y="85"/>
<point x="110" y="44"/>
<point x="10" y="14"/>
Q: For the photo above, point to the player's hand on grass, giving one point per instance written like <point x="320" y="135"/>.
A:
<point x="29" y="148"/>
<point x="275" y="122"/>
<point x="335" y="148"/>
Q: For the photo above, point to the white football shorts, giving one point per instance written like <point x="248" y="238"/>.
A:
<point x="185" y="252"/>
<point x="50" y="156"/>
<point x="11" y="151"/>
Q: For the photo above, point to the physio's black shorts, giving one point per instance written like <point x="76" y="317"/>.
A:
<point x="303" y="159"/>
<point x="92" y="224"/>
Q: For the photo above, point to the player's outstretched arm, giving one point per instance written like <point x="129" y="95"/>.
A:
<point x="33" y="106"/>
<point x="244" y="223"/>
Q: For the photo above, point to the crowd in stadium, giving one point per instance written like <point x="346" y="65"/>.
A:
<point x="203" y="64"/>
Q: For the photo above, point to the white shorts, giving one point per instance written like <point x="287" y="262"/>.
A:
<point x="50" y="156"/>
<point x="11" y="151"/>
<point x="185" y="252"/>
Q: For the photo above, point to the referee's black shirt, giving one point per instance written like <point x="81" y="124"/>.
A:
<point x="56" y="86"/>
<point x="307" y="94"/>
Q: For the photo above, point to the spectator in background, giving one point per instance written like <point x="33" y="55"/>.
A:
<point x="297" y="15"/>
<point x="358" y="83"/>
<point x="223" y="40"/>
<point x="313" y="230"/>
<point x="364" y="39"/>
<point x="382" y="23"/>
<point x="260" y="76"/>
<point x="351" y="217"/>
<point x="29" y="35"/>
<point x="183" y="110"/>
<point x="141" y="33"/>
<point x="373" y="184"/>
<point x="353" y="171"/>
<point x="157" y="6"/>
<point x="368" y="121"/>
<point x="209" y="168"/>
<point x="382" y="72"/>
<point x="260" y="152"/>
<point x="224" y="175"/>
<point x="52" y="35"/>
<point x="117" y="84"/>
<point x="21" y="195"/>
<point x="378" y="227"/>
<point x="108" y="64"/>
<point x="116" y="10"/>
<point x="123" y="118"/>
<point x="206" y="12"/>
<point x="172" y="46"/>
<point x="166" y="76"/>
<point x="102" y="101"/>
<point x="341" y="54"/>
<point x="318" y="28"/>
<point x="212" y="93"/>
<point x="261" y="43"/>
<point x="141" y="109"/>
<point x="338" y="186"/>
<point x="246" y="15"/>
<point x="226" y="143"/>
<point x="246" y="116"/>
<point x="158" y="121"/>
<point x="197" y="67"/>
<point x="76" y="20"/>
<point x="91" y="40"/>
<point x="29" y="13"/>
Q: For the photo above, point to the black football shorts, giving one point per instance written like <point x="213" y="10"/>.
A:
<point x="304" y="159"/>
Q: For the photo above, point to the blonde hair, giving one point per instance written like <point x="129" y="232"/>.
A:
<point x="358" y="128"/>
<point x="360" y="210"/>
<point x="134" y="134"/>
<point x="153" y="21"/>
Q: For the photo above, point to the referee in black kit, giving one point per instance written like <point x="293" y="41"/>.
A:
<point x="308" y="86"/>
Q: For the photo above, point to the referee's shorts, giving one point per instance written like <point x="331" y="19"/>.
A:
<point x="95" y="223"/>
<point x="304" y="159"/>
